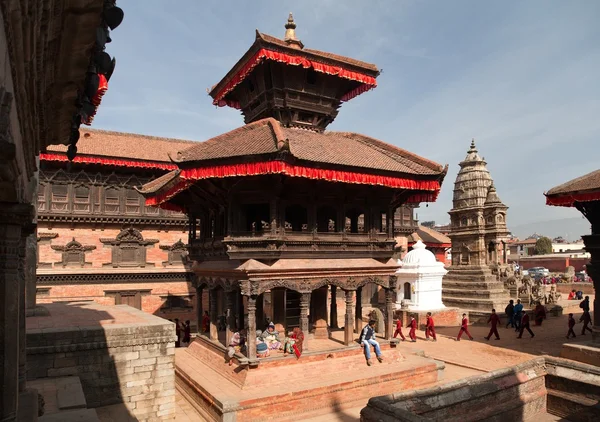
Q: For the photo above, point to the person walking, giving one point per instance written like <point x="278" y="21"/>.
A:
<point x="399" y="329"/>
<point x="464" y="328"/>
<point x="494" y="320"/>
<point x="586" y="318"/>
<point x="585" y="304"/>
<point x="525" y="325"/>
<point x="367" y="339"/>
<point x="571" y="323"/>
<point x="187" y="332"/>
<point x="518" y="314"/>
<point x="510" y="313"/>
<point x="413" y="328"/>
<point x="430" y="328"/>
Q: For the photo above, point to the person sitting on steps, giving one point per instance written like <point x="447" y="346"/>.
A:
<point x="367" y="339"/>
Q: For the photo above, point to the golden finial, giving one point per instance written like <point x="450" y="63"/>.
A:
<point x="290" y="34"/>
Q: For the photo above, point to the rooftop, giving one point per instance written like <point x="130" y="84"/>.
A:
<point x="582" y="189"/>
<point x="429" y="237"/>
<point x="267" y="137"/>
<point x="103" y="143"/>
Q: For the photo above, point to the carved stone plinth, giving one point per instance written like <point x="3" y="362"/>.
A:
<point x="321" y="331"/>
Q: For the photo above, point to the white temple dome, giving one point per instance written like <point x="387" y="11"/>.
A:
<point x="419" y="256"/>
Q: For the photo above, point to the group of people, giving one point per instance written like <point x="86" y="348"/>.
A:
<point x="268" y="341"/>
<point x="575" y="295"/>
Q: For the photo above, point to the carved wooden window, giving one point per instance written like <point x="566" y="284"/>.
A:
<point x="96" y="195"/>
<point x="129" y="249"/>
<point x="81" y="200"/>
<point x="60" y="198"/>
<point x="42" y="197"/>
<point x="73" y="254"/>
<point x="112" y="203"/>
<point x="132" y="202"/>
<point x="177" y="253"/>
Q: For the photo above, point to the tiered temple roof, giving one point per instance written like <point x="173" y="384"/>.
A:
<point x="582" y="189"/>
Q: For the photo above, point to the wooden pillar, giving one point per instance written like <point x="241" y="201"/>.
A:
<point x="390" y="222"/>
<point x="333" y="315"/>
<point x="389" y="313"/>
<point x="304" y="304"/>
<point x="260" y="311"/>
<point x="199" y="310"/>
<point x="229" y="316"/>
<point x="349" y="319"/>
<point x="358" y="311"/>
<point x="341" y="219"/>
<point x="251" y="336"/>
<point x="212" y="309"/>
<point x="240" y="310"/>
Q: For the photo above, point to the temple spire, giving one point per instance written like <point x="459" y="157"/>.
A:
<point x="290" y="34"/>
<point x="473" y="148"/>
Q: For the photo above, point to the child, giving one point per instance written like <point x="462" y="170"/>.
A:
<point x="494" y="320"/>
<point x="399" y="330"/>
<point x="571" y="325"/>
<point x="413" y="327"/>
<point x="464" y="328"/>
<point x="430" y="327"/>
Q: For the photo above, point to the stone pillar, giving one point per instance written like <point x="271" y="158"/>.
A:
<point x="12" y="291"/>
<point x="358" y="311"/>
<point x="333" y="315"/>
<point x="229" y="316"/>
<point x="389" y="313"/>
<point x="349" y="320"/>
<point x="304" y="304"/>
<point x="199" y="310"/>
<point x="212" y="309"/>
<point x="240" y="310"/>
<point x="251" y="337"/>
<point x="30" y="276"/>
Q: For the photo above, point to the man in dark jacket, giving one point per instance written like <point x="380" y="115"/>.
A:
<point x="367" y="339"/>
<point x="510" y="313"/>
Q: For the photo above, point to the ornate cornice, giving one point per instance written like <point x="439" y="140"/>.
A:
<point x="57" y="278"/>
<point x="46" y="217"/>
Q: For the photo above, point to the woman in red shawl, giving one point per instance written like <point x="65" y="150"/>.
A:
<point x="293" y="343"/>
<point x="205" y="322"/>
<point x="540" y="313"/>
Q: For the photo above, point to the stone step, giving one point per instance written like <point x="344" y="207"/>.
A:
<point x="69" y="394"/>
<point x="572" y="406"/>
<point x="79" y="415"/>
<point x="476" y="294"/>
<point x="469" y="303"/>
<point x="478" y="285"/>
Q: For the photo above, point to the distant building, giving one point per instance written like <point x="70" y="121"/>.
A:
<point x="436" y="242"/>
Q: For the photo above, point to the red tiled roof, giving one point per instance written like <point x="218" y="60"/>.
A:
<point x="164" y="181"/>
<point x="133" y="146"/>
<point x="266" y="137"/>
<point x="429" y="237"/>
<point x="269" y="39"/>
<point x="582" y="189"/>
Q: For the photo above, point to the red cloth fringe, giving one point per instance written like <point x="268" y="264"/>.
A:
<point x="368" y="82"/>
<point x="102" y="88"/>
<point x="280" y="167"/>
<point x="569" y="200"/>
<point x="90" y="159"/>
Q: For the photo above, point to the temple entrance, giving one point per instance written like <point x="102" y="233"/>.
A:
<point x="285" y="309"/>
<point x="407" y="291"/>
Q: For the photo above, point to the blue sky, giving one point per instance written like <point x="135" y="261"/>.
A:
<point x="521" y="77"/>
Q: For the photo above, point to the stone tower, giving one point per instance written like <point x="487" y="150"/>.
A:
<point x="478" y="233"/>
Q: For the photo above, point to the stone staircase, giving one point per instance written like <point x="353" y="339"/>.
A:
<point x="573" y="390"/>
<point x="474" y="290"/>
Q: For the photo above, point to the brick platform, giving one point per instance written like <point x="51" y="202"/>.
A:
<point x="284" y="388"/>
<point x="121" y="355"/>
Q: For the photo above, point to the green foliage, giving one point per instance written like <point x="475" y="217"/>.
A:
<point x="543" y="246"/>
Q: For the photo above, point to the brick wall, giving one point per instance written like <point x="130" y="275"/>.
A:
<point x="128" y="362"/>
<point x="554" y="264"/>
<point x="87" y="235"/>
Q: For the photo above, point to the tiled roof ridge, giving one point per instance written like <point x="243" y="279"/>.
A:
<point x="441" y="237"/>
<point x="331" y="56"/>
<point x="571" y="185"/>
<point x="389" y="150"/>
<point x="141" y="135"/>
<point x="274" y="125"/>
<point x="160" y="182"/>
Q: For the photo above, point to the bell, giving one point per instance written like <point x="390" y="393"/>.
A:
<point x="91" y="84"/>
<point x="101" y="36"/>
<point x="113" y="17"/>
<point x="111" y="69"/>
<point x="103" y="62"/>
<point x="71" y="152"/>
<point x="74" y="136"/>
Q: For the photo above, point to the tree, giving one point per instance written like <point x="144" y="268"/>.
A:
<point x="543" y="246"/>
<point x="430" y="224"/>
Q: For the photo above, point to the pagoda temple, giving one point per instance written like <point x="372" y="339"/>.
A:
<point x="274" y="206"/>
<point x="268" y="202"/>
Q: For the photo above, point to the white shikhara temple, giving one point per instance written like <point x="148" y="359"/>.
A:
<point x="420" y="280"/>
